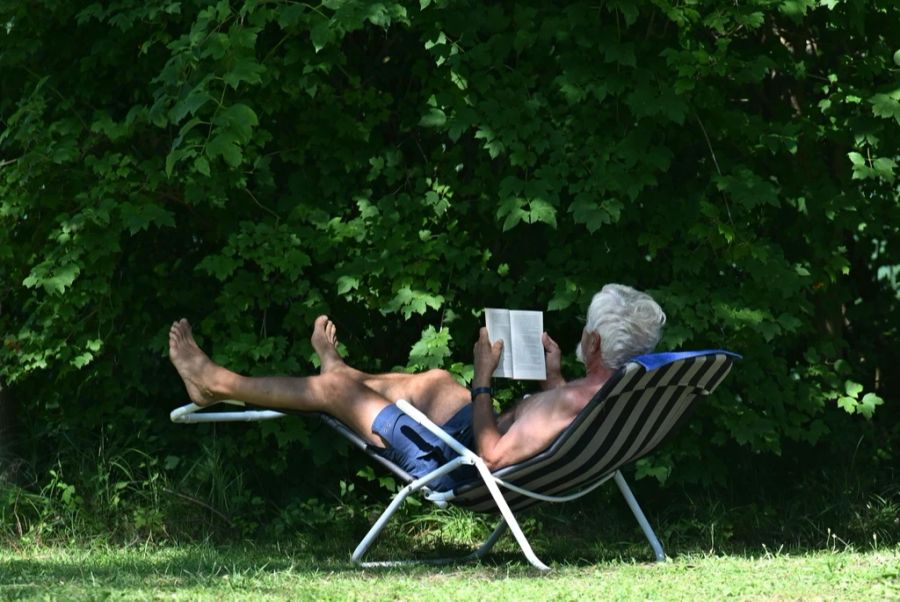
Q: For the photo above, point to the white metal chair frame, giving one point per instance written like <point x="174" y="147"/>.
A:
<point x="190" y="414"/>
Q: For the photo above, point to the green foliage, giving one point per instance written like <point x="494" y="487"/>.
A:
<point x="401" y="165"/>
<point x="123" y="493"/>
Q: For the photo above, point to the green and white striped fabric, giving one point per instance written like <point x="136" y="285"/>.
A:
<point x="634" y="413"/>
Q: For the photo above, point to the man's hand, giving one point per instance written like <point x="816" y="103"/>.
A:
<point x="487" y="357"/>
<point x="553" y="359"/>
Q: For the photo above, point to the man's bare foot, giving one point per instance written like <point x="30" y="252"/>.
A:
<point x="195" y="368"/>
<point x="324" y="341"/>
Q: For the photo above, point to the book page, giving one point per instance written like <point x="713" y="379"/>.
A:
<point x="497" y="322"/>
<point x="527" y="328"/>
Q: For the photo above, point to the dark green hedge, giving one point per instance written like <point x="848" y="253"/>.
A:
<point x="401" y="165"/>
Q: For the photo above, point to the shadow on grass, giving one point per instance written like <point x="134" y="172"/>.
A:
<point x="195" y="571"/>
<point x="206" y="567"/>
<point x="585" y="534"/>
<point x="205" y="571"/>
<point x="594" y="533"/>
<point x="195" y="564"/>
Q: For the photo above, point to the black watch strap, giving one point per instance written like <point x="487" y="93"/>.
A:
<point x="479" y="390"/>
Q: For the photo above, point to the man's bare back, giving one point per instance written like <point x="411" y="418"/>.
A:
<point x="537" y="420"/>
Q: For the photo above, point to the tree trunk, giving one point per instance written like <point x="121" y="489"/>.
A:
<point x="8" y="458"/>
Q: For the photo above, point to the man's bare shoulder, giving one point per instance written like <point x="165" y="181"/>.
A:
<point x="575" y="395"/>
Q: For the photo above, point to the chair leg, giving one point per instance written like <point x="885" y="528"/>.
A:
<point x="399" y="498"/>
<point x="380" y="523"/>
<point x="641" y="519"/>
<point x="509" y="518"/>
<point x="376" y="529"/>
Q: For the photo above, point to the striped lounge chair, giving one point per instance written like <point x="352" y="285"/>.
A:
<point x="633" y="414"/>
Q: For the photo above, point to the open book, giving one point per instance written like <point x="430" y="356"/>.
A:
<point x="523" y="350"/>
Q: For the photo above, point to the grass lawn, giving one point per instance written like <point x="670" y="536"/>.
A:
<point x="207" y="572"/>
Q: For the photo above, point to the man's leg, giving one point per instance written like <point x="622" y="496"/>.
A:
<point x="435" y="392"/>
<point x="348" y="400"/>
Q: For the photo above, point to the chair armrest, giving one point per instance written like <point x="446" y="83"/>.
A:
<point x="189" y="414"/>
<point x="408" y="409"/>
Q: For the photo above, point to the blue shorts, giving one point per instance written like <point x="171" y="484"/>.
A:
<point x="418" y="451"/>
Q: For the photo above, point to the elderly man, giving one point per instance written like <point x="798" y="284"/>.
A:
<point x="621" y="323"/>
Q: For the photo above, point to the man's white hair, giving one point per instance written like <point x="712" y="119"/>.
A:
<point x="628" y="321"/>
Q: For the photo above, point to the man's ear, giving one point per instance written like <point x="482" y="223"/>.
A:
<point x="595" y="342"/>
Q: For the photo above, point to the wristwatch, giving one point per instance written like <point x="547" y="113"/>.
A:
<point x="479" y="390"/>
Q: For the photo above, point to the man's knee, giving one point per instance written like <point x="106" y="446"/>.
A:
<point x="438" y="377"/>
<point x="440" y="385"/>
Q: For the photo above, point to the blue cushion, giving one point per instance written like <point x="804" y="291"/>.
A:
<point x="652" y="361"/>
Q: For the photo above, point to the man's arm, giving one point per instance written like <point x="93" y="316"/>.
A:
<point x="484" y="423"/>
<point x="495" y="448"/>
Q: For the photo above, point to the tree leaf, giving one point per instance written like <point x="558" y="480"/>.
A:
<point x="225" y="146"/>
<point x="433" y="117"/>
<point x="848" y="404"/>
<point x="885" y="106"/>
<point x="244" y="70"/>
<point x="190" y="104"/>
<point x="853" y="389"/>
<point x="322" y="34"/>
<point x="202" y="165"/>
<point x="593" y="215"/>
<point x="868" y="403"/>
<point x="431" y="350"/>
<point x="856" y="158"/>
<point x="346" y="283"/>
<point x="240" y="119"/>
<point x="140" y="216"/>
<point x="540" y="211"/>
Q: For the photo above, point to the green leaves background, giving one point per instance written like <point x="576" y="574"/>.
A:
<point x="401" y="165"/>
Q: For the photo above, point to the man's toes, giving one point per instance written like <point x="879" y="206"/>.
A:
<point x="189" y="335"/>
<point x="180" y="333"/>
